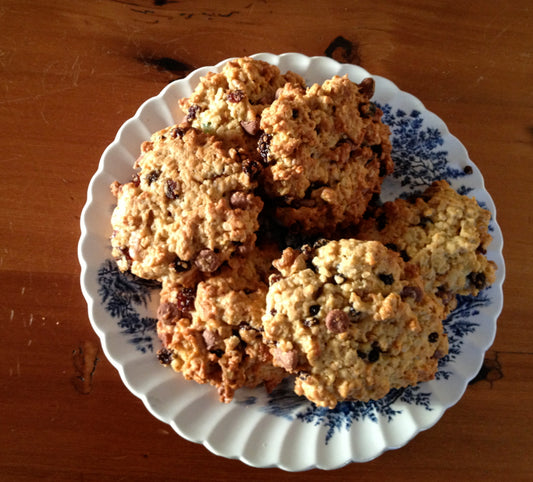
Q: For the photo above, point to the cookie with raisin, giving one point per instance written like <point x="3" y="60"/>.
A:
<point x="445" y="234"/>
<point x="352" y="321"/>
<point x="191" y="207"/>
<point x="326" y="152"/>
<point x="212" y="332"/>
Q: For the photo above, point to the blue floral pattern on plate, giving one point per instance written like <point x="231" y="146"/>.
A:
<point x="419" y="160"/>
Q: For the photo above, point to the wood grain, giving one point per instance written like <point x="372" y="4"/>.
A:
<point x="71" y="72"/>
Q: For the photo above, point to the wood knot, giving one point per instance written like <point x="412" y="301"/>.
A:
<point x="343" y="50"/>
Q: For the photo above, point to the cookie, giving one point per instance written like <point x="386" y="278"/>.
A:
<point x="352" y="321"/>
<point x="212" y="332"/>
<point x="442" y="232"/>
<point x="229" y="104"/>
<point x="189" y="209"/>
<point x="326" y="153"/>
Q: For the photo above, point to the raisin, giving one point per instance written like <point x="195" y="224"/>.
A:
<point x="381" y="222"/>
<point x="171" y="189"/>
<point x="433" y="337"/>
<point x="153" y="176"/>
<point x="235" y="96"/>
<point x="263" y="146"/>
<point x="354" y="314"/>
<point x="366" y="87"/>
<point x="309" y="322"/>
<point x="424" y="221"/>
<point x="373" y="356"/>
<point x="478" y="280"/>
<point x="177" y="132"/>
<point x="185" y="299"/>
<point x="181" y="265"/>
<point x="392" y="247"/>
<point x="251" y="168"/>
<point x="192" y="112"/>
<point x="314" y="309"/>
<point x="388" y="279"/>
<point x="404" y="255"/>
<point x="377" y="149"/>
<point x="164" y="356"/>
<point x="135" y="179"/>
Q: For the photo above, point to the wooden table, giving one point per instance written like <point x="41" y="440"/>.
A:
<point x="73" y="71"/>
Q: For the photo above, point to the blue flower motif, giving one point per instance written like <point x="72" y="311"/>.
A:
<point x="120" y="294"/>
<point x="416" y="150"/>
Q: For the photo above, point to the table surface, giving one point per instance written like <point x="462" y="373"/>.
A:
<point x="73" y="71"/>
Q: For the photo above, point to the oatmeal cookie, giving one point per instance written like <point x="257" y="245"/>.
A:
<point x="212" y="332"/>
<point x="229" y="104"/>
<point x="444" y="233"/>
<point x="351" y="319"/>
<point x="326" y="153"/>
<point x="189" y="209"/>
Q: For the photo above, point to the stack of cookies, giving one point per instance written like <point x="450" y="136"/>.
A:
<point x="256" y="214"/>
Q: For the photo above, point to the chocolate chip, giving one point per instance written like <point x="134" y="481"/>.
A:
<point x="468" y="170"/>
<point x="295" y="113"/>
<point x="314" y="309"/>
<point x="337" y="321"/>
<point x="250" y="126"/>
<point x="414" y="292"/>
<point x="433" y="337"/>
<point x="169" y="313"/>
<point x="240" y="200"/>
<point x="207" y="261"/>
<point x="387" y="279"/>
<point x="211" y="338"/>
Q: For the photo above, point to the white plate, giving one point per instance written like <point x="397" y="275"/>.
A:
<point x="280" y="429"/>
